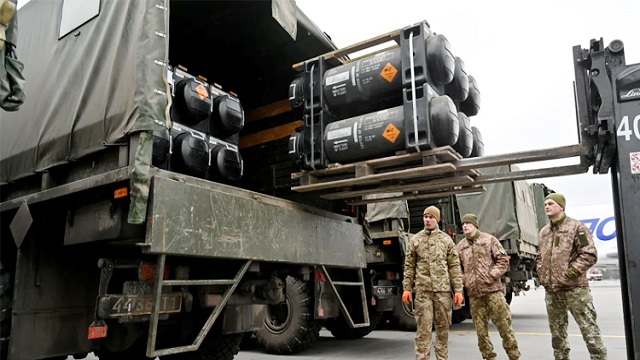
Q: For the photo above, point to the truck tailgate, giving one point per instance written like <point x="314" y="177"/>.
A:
<point x="189" y="216"/>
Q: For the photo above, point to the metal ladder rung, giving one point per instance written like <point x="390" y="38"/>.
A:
<point x="197" y="282"/>
<point x="343" y="307"/>
<point x="347" y="283"/>
<point x="360" y="325"/>
<point x="155" y="307"/>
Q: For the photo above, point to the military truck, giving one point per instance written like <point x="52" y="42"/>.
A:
<point x="130" y="225"/>
<point x="382" y="107"/>
<point x="507" y="210"/>
<point x="128" y="206"/>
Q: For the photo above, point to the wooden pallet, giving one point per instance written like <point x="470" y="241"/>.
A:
<point x="427" y="174"/>
<point x="339" y="57"/>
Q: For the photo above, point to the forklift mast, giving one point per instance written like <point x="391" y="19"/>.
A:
<point x="607" y="94"/>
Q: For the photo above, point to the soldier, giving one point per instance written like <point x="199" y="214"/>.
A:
<point x="484" y="261"/>
<point x="565" y="254"/>
<point x="433" y="266"/>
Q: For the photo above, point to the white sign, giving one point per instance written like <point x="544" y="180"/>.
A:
<point x="337" y="78"/>
<point x="634" y="157"/>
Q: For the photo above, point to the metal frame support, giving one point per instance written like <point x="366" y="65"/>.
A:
<point x="608" y="109"/>
<point x="626" y="191"/>
<point x="343" y="307"/>
<point x="315" y="117"/>
<point x="155" y="308"/>
<point x="415" y="87"/>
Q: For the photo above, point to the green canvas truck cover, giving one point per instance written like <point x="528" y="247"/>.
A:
<point x="506" y="210"/>
<point x="87" y="90"/>
<point x="539" y="193"/>
<point x="92" y="86"/>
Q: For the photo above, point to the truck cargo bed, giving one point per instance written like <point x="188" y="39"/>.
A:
<point x="194" y="217"/>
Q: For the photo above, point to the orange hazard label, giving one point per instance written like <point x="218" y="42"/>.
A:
<point x="391" y="133"/>
<point x="389" y="72"/>
<point x="202" y="91"/>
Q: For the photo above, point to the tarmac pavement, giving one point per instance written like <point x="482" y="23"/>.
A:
<point x="529" y="321"/>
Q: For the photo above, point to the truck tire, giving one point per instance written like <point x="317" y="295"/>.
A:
<point x="290" y="327"/>
<point x="340" y="329"/>
<point x="137" y="351"/>
<point x="402" y="315"/>
<point x="6" y="299"/>
<point x="222" y="347"/>
<point x="124" y="341"/>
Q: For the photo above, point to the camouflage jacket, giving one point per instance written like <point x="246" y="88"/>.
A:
<point x="566" y="252"/>
<point x="432" y="263"/>
<point x="483" y="261"/>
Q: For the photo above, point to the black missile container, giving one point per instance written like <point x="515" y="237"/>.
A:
<point x="203" y="138"/>
<point x="408" y="98"/>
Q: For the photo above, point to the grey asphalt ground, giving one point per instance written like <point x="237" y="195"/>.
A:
<point x="529" y="321"/>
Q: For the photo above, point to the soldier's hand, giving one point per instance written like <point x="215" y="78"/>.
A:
<point x="458" y="299"/>
<point x="406" y="297"/>
<point x="572" y="273"/>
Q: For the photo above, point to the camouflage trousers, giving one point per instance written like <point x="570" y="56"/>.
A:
<point x="580" y="303"/>
<point x="494" y="307"/>
<point x="432" y="309"/>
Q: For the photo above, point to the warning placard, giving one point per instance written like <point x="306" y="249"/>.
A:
<point x="635" y="162"/>
<point x="202" y="92"/>
<point x="389" y="72"/>
<point x="391" y="133"/>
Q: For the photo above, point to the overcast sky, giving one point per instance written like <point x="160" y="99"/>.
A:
<point x="521" y="55"/>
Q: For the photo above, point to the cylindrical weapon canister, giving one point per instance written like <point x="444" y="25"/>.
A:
<point x="464" y="145"/>
<point x="366" y="136"/>
<point x="374" y="82"/>
<point x="478" y="144"/>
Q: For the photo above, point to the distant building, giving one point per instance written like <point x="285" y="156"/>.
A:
<point x="609" y="266"/>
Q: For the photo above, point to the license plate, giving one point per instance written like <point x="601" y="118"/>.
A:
<point x="384" y="291"/>
<point x="113" y="306"/>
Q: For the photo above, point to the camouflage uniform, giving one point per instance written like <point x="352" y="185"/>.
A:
<point x="484" y="261"/>
<point x="433" y="267"/>
<point x="566" y="253"/>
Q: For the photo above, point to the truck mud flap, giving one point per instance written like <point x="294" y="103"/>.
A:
<point x="335" y="289"/>
<point x="152" y="352"/>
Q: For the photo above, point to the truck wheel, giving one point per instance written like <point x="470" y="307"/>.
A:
<point x="290" y="327"/>
<point x="124" y="341"/>
<point x="340" y="329"/>
<point x="136" y="351"/>
<point x="221" y="347"/>
<point x="6" y="299"/>
<point x="403" y="314"/>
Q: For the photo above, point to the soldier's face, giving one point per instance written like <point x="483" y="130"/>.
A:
<point x="430" y="222"/>
<point x="552" y="208"/>
<point x="468" y="228"/>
